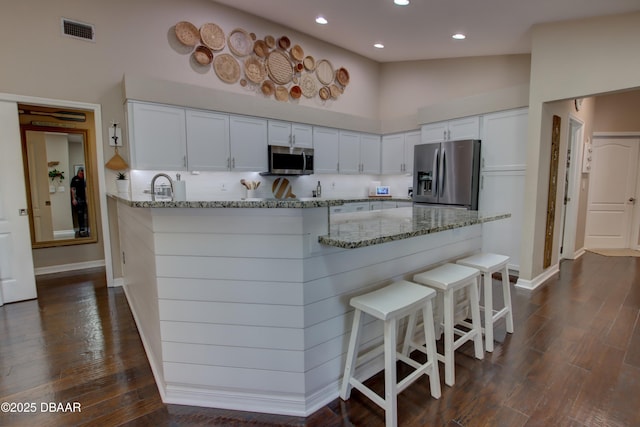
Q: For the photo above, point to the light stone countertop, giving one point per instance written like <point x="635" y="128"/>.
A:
<point x="245" y="203"/>
<point x="360" y="229"/>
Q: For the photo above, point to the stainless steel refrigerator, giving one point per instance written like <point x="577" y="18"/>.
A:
<point x="447" y="173"/>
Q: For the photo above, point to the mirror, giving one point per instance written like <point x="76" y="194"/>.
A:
<point x="59" y="192"/>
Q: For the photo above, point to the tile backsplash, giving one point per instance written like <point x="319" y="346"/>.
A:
<point x="226" y="185"/>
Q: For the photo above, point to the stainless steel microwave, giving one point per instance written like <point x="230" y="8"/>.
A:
<point x="290" y="160"/>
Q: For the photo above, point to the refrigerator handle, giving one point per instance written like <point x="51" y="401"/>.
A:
<point x="443" y="171"/>
<point x="436" y="171"/>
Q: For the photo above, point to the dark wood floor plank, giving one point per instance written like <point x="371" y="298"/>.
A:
<point x="574" y="360"/>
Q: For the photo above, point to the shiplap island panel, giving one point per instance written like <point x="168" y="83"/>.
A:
<point x="242" y="307"/>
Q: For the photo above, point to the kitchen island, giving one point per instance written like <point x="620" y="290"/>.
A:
<point x="245" y="304"/>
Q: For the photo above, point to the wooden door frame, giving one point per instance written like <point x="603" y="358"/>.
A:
<point x="575" y="143"/>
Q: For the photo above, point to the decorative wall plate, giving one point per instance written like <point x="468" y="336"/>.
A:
<point x="324" y="72"/>
<point x="240" y="43"/>
<point x="254" y="70"/>
<point x="187" y="33"/>
<point x="297" y="53"/>
<point x="279" y="67"/>
<point x="308" y="85"/>
<point x="226" y="68"/>
<point x="282" y="94"/>
<point x="342" y="76"/>
<point x="212" y="36"/>
<point x="203" y="55"/>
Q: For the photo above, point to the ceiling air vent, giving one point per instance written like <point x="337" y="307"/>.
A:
<point x="78" y="30"/>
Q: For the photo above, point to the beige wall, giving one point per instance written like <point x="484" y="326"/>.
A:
<point x="407" y="87"/>
<point x="569" y="60"/>
<point x="618" y="112"/>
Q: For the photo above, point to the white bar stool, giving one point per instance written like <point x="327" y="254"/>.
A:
<point x="391" y="303"/>
<point x="447" y="279"/>
<point x="488" y="264"/>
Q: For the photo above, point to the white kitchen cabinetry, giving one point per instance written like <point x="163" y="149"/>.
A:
<point x="451" y="130"/>
<point x="502" y="180"/>
<point x="349" y="152"/>
<point x="350" y="207"/>
<point x="326" y="150"/>
<point x="157" y="136"/>
<point x="290" y="134"/>
<point x="370" y="154"/>
<point x="359" y="153"/>
<point x="207" y="141"/>
<point x="388" y="204"/>
<point x="248" y="141"/>
<point x="397" y="152"/>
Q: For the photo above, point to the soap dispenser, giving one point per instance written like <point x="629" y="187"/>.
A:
<point x="318" y="190"/>
<point x="179" y="189"/>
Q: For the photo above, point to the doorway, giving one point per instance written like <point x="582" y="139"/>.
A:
<point x="571" y="189"/>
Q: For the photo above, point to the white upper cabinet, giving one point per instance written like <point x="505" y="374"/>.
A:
<point x="349" y="152"/>
<point x="207" y="141"/>
<point x="248" y="141"/>
<point x="370" y="154"/>
<point x="451" y="130"/>
<point x="326" y="150"/>
<point x="411" y="139"/>
<point x="359" y="153"/>
<point x="393" y="153"/>
<point x="397" y="152"/>
<point x="157" y="136"/>
<point x="504" y="140"/>
<point x="290" y="134"/>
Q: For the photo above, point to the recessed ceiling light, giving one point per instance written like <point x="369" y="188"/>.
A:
<point x="379" y="45"/>
<point x="401" y="2"/>
<point x="459" y="36"/>
<point x="321" y="20"/>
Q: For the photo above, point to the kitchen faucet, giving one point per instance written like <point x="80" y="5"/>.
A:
<point x="153" y="185"/>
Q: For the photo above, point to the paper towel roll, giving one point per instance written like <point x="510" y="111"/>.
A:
<point x="180" y="191"/>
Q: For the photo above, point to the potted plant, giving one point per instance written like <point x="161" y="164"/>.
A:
<point x="122" y="184"/>
<point x="56" y="175"/>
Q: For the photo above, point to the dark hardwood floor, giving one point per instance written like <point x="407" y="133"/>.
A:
<point x="574" y="360"/>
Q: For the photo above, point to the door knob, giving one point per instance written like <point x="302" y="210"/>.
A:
<point x="632" y="200"/>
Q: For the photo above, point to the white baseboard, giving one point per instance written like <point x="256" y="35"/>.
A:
<point x="68" y="267"/>
<point x="579" y="253"/>
<point x="531" y="285"/>
<point x="269" y="403"/>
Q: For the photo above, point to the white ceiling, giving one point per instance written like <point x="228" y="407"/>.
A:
<point x="423" y="29"/>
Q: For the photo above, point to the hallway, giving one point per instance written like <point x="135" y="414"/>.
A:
<point x="574" y="359"/>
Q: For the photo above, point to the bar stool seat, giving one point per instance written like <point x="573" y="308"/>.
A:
<point x="447" y="279"/>
<point x="489" y="263"/>
<point x="390" y="304"/>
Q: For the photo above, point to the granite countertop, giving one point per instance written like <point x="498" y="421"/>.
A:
<point x="360" y="229"/>
<point x="310" y="202"/>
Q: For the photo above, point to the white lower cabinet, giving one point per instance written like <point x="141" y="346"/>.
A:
<point x="503" y="192"/>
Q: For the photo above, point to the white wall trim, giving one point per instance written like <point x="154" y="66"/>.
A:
<point x="531" y="285"/>
<point x="69" y="267"/>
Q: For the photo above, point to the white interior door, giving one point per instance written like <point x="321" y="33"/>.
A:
<point x="612" y="192"/>
<point x="17" y="279"/>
